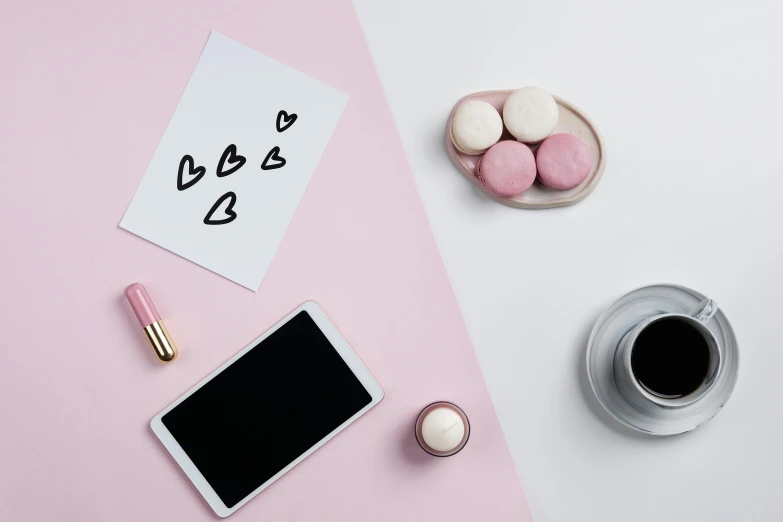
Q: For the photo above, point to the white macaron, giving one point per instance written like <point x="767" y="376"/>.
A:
<point x="476" y="126"/>
<point x="530" y="114"/>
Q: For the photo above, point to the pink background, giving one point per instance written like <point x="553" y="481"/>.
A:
<point x="87" y="89"/>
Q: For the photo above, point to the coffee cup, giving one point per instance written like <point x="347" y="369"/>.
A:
<point x="671" y="359"/>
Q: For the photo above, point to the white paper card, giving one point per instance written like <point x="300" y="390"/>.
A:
<point x="234" y="161"/>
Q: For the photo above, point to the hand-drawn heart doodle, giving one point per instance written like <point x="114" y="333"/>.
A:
<point x="229" y="212"/>
<point x="273" y="156"/>
<point x="230" y="155"/>
<point x="283" y="117"/>
<point x="197" y="173"/>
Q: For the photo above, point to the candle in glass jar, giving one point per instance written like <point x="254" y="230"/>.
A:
<point x="442" y="429"/>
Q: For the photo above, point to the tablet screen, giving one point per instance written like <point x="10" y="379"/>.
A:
<point x="266" y="409"/>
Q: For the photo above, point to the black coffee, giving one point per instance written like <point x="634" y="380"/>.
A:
<point x="670" y="358"/>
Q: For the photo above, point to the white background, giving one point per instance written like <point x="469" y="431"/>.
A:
<point x="687" y="95"/>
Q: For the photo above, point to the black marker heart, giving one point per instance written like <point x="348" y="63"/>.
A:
<point x="230" y="155"/>
<point x="197" y="172"/>
<point x="273" y="156"/>
<point x="283" y="117"/>
<point x="229" y="212"/>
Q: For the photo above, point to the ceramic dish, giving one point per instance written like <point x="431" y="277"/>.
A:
<point x="618" y="320"/>
<point x="570" y="120"/>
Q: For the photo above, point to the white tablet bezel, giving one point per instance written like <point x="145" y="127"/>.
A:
<point x="343" y="348"/>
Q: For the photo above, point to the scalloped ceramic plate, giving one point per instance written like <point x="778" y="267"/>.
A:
<point x="571" y="120"/>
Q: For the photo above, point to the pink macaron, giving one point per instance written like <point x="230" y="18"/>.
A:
<point x="508" y="168"/>
<point x="563" y="161"/>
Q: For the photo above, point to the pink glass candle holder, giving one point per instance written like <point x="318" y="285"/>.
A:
<point x="442" y="429"/>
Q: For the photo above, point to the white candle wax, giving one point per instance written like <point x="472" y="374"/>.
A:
<point x="443" y="429"/>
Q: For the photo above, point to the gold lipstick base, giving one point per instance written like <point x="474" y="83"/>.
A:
<point x="160" y="341"/>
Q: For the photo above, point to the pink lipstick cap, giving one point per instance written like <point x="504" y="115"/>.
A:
<point x="141" y="304"/>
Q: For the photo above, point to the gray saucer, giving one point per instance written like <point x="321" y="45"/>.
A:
<point x="623" y="315"/>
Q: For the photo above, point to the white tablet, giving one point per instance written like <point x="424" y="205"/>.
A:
<point x="267" y="408"/>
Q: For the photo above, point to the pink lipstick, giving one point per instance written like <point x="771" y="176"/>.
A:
<point x="149" y="320"/>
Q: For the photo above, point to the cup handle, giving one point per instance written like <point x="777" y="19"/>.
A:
<point x="704" y="311"/>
